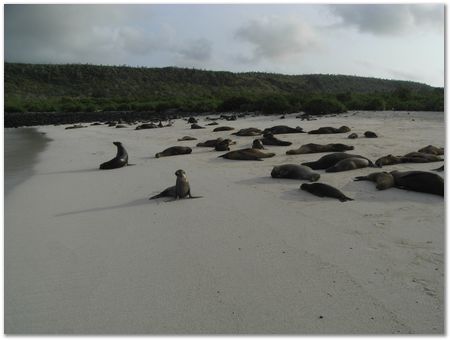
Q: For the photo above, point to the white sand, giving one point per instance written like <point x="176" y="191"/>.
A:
<point x="88" y="253"/>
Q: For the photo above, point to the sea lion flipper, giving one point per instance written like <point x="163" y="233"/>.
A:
<point x="361" y="178"/>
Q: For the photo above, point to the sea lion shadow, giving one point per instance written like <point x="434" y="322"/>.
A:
<point x="137" y="202"/>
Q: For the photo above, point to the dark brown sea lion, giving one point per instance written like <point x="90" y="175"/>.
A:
<point x="224" y="145"/>
<point x="329" y="130"/>
<point x="223" y="128"/>
<point x="383" y="180"/>
<point x="324" y="190"/>
<point x="420" y="181"/>
<point x="196" y="126"/>
<point x="353" y="135"/>
<point x="349" y="164"/>
<point x="269" y="139"/>
<point x="173" y="151"/>
<point x="192" y="120"/>
<point x="370" y="134"/>
<point x="431" y="149"/>
<point x="247" y="155"/>
<point x="120" y="126"/>
<point x="186" y="138"/>
<point x="420" y="157"/>
<point x="257" y="144"/>
<point x="146" y="126"/>
<point x="331" y="159"/>
<point x="294" y="171"/>
<point x="248" y="132"/>
<point x="211" y="143"/>
<point x="388" y="160"/>
<point x="181" y="189"/>
<point x="316" y="148"/>
<point x="281" y="129"/>
<point x="119" y="161"/>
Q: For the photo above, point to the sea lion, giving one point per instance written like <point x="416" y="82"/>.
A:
<point x="269" y="139"/>
<point x="431" y="149"/>
<point x="389" y="160"/>
<point x="186" y="138"/>
<point x="247" y="155"/>
<point x="223" y="128"/>
<point x="257" y="144"/>
<point x="324" y="190"/>
<point x="196" y="126"/>
<point x="420" y="181"/>
<point x="224" y="145"/>
<point x="439" y="169"/>
<point x="213" y="123"/>
<point x="383" y="180"/>
<point x="211" y="143"/>
<point x="119" y="161"/>
<point x="420" y="157"/>
<point x="294" y="171"/>
<point x="76" y="126"/>
<point x="331" y="159"/>
<point x="281" y="129"/>
<point x="192" y="120"/>
<point x="248" y="132"/>
<point x="316" y="148"/>
<point x="349" y="164"/>
<point x="329" y="130"/>
<point x="353" y="135"/>
<point x="146" y="126"/>
<point x="173" y="151"/>
<point x="370" y="134"/>
<point x="181" y="189"/>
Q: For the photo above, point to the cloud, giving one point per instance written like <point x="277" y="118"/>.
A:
<point x="387" y="19"/>
<point x="275" y="38"/>
<point x="197" y="50"/>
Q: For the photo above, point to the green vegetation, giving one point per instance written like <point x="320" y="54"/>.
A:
<point x="90" y="88"/>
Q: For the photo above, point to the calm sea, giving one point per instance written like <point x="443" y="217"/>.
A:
<point x="22" y="147"/>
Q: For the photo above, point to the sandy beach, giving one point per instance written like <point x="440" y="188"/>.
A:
<point x="86" y="252"/>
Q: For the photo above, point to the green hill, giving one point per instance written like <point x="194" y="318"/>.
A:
<point x="76" y="87"/>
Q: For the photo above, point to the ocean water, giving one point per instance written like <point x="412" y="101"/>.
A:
<point x="21" y="149"/>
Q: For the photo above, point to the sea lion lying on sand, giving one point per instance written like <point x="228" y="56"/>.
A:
<point x="412" y="157"/>
<point x="247" y="155"/>
<point x="280" y="129"/>
<point x="211" y="143"/>
<point x="420" y="181"/>
<point x="146" y="126"/>
<point x="294" y="171"/>
<point x="248" y="132"/>
<point x="324" y="190"/>
<point x="370" y="134"/>
<point x="331" y="159"/>
<point x="223" y="128"/>
<point x="315" y="148"/>
<point x="353" y="136"/>
<point x="224" y="145"/>
<point x="434" y="150"/>
<point x="329" y="130"/>
<point x="269" y="139"/>
<point x="186" y="138"/>
<point x="349" y="164"/>
<point x="383" y="180"/>
<point x="173" y="151"/>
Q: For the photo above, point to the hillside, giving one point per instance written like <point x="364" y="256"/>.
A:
<point x="76" y="87"/>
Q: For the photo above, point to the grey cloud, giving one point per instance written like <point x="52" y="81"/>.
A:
<point x="276" y="38"/>
<point x="385" y="19"/>
<point x="197" y="50"/>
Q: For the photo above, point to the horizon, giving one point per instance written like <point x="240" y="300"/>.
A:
<point x="385" y="41"/>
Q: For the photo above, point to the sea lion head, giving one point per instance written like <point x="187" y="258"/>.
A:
<point x="117" y="143"/>
<point x="180" y="173"/>
<point x="275" y="172"/>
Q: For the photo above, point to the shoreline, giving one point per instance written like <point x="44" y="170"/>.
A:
<point x="256" y="255"/>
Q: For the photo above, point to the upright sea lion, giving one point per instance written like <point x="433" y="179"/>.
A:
<point x="383" y="180"/>
<point x="431" y="149"/>
<point x="281" y="129"/>
<point x="269" y="139"/>
<point x="181" y="189"/>
<point x="331" y="159"/>
<point x="349" y="164"/>
<point x="173" y="151"/>
<point x="196" y="126"/>
<point x="223" y="128"/>
<point x="353" y="135"/>
<point x="370" y="134"/>
<point x="315" y="148"/>
<point x="329" y="130"/>
<point x="420" y="181"/>
<point x="211" y="143"/>
<point x="257" y="144"/>
<point x="324" y="190"/>
<point x="294" y="171"/>
<point x="248" y="132"/>
<point x="186" y="138"/>
<point x="247" y="155"/>
<point x="119" y="161"/>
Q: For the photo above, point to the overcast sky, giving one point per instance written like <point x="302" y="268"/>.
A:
<point x="404" y="41"/>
